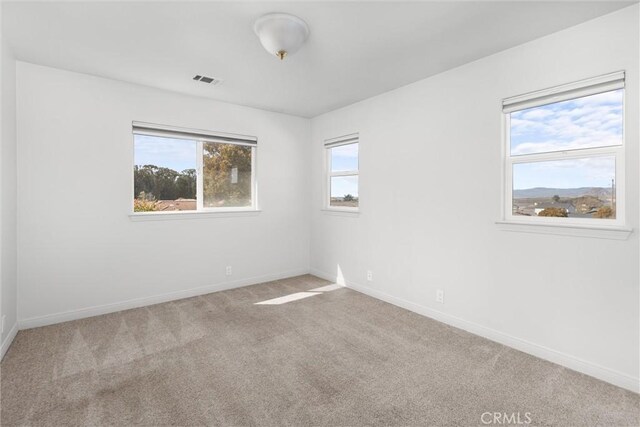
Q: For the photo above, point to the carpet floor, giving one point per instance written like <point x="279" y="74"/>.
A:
<point x="305" y="356"/>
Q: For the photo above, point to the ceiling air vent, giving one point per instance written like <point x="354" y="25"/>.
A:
<point x="208" y="80"/>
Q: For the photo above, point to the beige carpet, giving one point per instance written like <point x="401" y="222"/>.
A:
<point x="333" y="358"/>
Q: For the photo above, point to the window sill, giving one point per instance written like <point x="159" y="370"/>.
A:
<point x="164" y="216"/>
<point x="603" y="232"/>
<point x="341" y="212"/>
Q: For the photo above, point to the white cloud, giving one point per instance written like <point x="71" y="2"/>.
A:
<point x="537" y="113"/>
<point x="593" y="121"/>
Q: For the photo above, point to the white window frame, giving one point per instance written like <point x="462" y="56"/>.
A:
<point x="570" y="91"/>
<point x="200" y="137"/>
<point x="328" y="145"/>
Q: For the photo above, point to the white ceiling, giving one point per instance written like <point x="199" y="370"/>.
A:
<point x="356" y="50"/>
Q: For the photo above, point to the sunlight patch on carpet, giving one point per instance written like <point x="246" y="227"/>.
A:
<point x="288" y="298"/>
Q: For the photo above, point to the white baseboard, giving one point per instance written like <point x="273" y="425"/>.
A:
<point x="8" y="340"/>
<point x="50" y="319"/>
<point x="600" y="372"/>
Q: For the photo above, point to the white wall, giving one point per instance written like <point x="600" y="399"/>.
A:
<point x="430" y="196"/>
<point x="8" y="213"/>
<point x="80" y="252"/>
<point x="430" y="156"/>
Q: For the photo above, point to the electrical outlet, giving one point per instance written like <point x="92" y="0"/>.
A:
<point x="229" y="271"/>
<point x="440" y="296"/>
<point x="369" y="276"/>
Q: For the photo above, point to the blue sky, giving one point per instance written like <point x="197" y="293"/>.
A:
<point x="344" y="158"/>
<point x="342" y="185"/>
<point x="575" y="173"/>
<point x="587" y="122"/>
<point x="176" y="154"/>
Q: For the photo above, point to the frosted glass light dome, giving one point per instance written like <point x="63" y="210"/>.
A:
<point x="281" y="34"/>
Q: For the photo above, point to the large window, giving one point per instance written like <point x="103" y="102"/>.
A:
<point x="565" y="154"/>
<point x="179" y="169"/>
<point x="342" y="173"/>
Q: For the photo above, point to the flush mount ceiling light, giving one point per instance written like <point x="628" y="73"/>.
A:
<point x="281" y="34"/>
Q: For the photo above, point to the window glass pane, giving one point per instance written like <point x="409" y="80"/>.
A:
<point x="344" y="158"/>
<point x="344" y="191"/>
<point x="573" y="188"/>
<point x="164" y="174"/>
<point x="226" y="175"/>
<point x="590" y="121"/>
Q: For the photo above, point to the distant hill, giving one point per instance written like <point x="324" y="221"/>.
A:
<point x="540" y="192"/>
